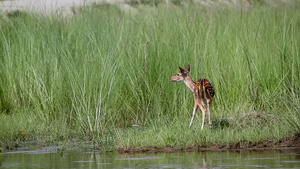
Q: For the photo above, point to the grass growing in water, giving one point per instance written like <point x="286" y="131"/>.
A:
<point x="84" y="79"/>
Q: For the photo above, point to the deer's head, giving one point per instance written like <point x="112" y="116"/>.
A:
<point x="181" y="75"/>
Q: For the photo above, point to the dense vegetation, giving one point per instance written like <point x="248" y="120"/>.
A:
<point x="103" y="76"/>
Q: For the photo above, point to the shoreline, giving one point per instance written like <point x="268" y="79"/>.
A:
<point x="289" y="142"/>
<point x="285" y="143"/>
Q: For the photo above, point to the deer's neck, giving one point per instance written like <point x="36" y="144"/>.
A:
<point x="190" y="83"/>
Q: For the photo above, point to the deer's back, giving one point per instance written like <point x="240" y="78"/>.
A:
<point x="204" y="89"/>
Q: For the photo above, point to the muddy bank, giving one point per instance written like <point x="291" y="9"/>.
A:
<point x="289" y="142"/>
<point x="293" y="141"/>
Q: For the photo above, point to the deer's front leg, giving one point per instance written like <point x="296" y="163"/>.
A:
<point x="194" y="113"/>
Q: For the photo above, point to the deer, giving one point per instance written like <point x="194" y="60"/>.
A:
<point x="203" y="93"/>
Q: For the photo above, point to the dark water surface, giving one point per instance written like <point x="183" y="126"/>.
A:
<point x="51" y="158"/>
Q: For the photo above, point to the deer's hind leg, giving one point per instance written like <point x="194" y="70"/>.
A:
<point x="203" y="109"/>
<point x="208" y="112"/>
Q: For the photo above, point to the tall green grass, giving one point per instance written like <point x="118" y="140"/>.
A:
<point x="85" y="78"/>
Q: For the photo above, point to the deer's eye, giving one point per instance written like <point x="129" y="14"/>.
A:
<point x="177" y="74"/>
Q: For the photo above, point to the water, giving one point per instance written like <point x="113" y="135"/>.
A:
<point x="51" y="158"/>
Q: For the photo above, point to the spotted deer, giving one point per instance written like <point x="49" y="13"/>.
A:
<point x="203" y="93"/>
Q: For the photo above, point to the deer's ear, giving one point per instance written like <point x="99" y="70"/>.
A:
<point x="181" y="70"/>
<point x="188" y="68"/>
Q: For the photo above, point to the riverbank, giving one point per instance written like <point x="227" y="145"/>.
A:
<point x="101" y="79"/>
<point x="289" y="142"/>
<point x="285" y="143"/>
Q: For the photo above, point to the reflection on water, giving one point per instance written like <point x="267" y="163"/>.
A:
<point x="51" y="158"/>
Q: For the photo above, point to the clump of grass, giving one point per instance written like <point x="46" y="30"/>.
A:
<point x="84" y="78"/>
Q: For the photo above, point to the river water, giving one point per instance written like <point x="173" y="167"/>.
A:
<point x="52" y="158"/>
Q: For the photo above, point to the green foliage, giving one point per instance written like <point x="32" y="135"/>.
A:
<point x="86" y="78"/>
